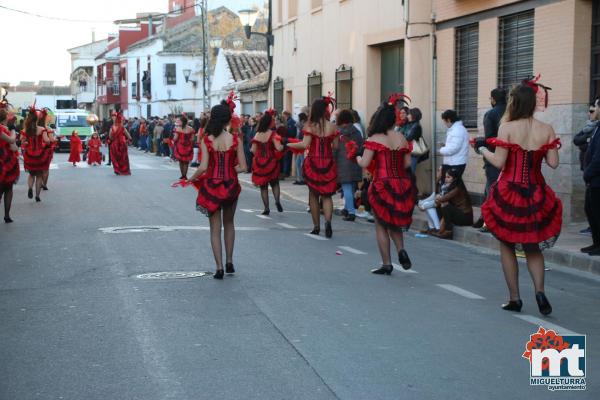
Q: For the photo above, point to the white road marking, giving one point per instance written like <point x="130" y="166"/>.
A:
<point x="53" y="166"/>
<point x="163" y="228"/>
<point x="287" y="226"/>
<point x="246" y="210"/>
<point x="460" y="291"/>
<point x="398" y="267"/>
<point x="546" y="324"/>
<point x="316" y="237"/>
<point x="263" y="217"/>
<point x="351" y="250"/>
<point x="135" y="165"/>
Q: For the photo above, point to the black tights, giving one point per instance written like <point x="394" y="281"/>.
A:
<point x="183" y="167"/>
<point x="315" y="208"/>
<point x="226" y="214"/>
<point x="7" y="193"/>
<point x="510" y="267"/>
<point x="383" y="236"/>
<point x="39" y="182"/>
<point x="264" y="193"/>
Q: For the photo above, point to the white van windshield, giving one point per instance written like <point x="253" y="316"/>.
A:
<point x="65" y="121"/>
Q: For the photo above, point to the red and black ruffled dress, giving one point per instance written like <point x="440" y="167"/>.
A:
<point x="36" y="158"/>
<point x="521" y="209"/>
<point x="319" y="168"/>
<point x="392" y="192"/>
<point x="184" y="147"/>
<point x="219" y="185"/>
<point x="118" y="151"/>
<point x="265" y="164"/>
<point x="9" y="162"/>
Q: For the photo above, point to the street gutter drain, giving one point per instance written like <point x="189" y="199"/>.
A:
<point x="172" y="275"/>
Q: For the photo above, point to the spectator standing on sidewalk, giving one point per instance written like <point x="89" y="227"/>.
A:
<point x="357" y="123"/>
<point x="413" y="132"/>
<point x="456" y="148"/>
<point x="157" y="135"/>
<point x="591" y="176"/>
<point x="291" y="132"/>
<point x="491" y="124"/>
<point x="302" y="120"/>
<point x="349" y="172"/>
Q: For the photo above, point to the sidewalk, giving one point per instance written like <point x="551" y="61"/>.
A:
<point x="565" y="252"/>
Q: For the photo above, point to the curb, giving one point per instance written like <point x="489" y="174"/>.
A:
<point x="564" y="258"/>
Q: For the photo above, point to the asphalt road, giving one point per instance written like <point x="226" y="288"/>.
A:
<point x="297" y="321"/>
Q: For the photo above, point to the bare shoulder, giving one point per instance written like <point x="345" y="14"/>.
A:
<point x="543" y="127"/>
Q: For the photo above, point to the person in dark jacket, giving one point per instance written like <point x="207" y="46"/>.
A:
<point x="582" y="139"/>
<point x="291" y="132"/>
<point x="491" y="124"/>
<point x="349" y="172"/>
<point x="591" y="176"/>
<point x="413" y="131"/>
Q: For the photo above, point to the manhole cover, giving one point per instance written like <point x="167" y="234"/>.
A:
<point x="172" y="275"/>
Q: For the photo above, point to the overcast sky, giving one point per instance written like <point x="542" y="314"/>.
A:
<point x="35" y="48"/>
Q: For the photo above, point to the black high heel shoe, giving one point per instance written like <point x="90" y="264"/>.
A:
<point x="37" y="199"/>
<point x="543" y="303"/>
<point x="229" y="268"/>
<point x="328" y="230"/>
<point x="513" y="305"/>
<point x="30" y="193"/>
<point x="404" y="259"/>
<point x="316" y="230"/>
<point x="44" y="187"/>
<point x="7" y="220"/>
<point x="383" y="270"/>
<point x="266" y="212"/>
<point x="219" y="274"/>
<point x="279" y="207"/>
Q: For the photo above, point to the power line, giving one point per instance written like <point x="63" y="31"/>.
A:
<point x="31" y="14"/>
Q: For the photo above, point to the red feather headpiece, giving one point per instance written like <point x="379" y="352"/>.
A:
<point x="272" y="112"/>
<point x="398" y="98"/>
<point x="231" y="101"/>
<point x="534" y="83"/>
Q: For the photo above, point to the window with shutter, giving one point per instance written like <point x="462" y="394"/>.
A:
<point x="595" y="67"/>
<point x="278" y="94"/>
<point x="315" y="86"/>
<point x="170" y="74"/>
<point x="515" y="48"/>
<point x="465" y="73"/>
<point x="343" y="87"/>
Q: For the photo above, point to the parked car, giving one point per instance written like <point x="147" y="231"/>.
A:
<point x="66" y="122"/>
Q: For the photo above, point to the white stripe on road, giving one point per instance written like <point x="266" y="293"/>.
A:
<point x="163" y="228"/>
<point x="545" y="324"/>
<point x="460" y="291"/>
<point x="287" y="226"/>
<point x="316" y="237"/>
<point x="135" y="165"/>
<point x="246" y="210"/>
<point x="263" y="217"/>
<point x="351" y="250"/>
<point x="399" y="268"/>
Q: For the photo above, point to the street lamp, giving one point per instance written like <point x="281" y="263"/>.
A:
<point x="215" y="44"/>
<point x="248" y="18"/>
<point x="186" y="75"/>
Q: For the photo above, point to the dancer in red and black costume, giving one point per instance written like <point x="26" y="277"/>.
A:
<point x="119" y="137"/>
<point x="392" y="192"/>
<point x="265" y="164"/>
<point x="9" y="160"/>
<point x="217" y="181"/>
<point x="35" y="143"/>
<point x="94" y="156"/>
<point x="183" y="137"/>
<point x="43" y="120"/>
<point x="319" y="169"/>
<point x="521" y="209"/>
<point x="76" y="149"/>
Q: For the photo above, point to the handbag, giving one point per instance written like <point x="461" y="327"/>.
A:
<point x="419" y="147"/>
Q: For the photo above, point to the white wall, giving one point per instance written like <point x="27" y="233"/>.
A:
<point x="164" y="97"/>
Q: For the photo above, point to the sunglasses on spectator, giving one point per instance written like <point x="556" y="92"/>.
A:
<point x="592" y="110"/>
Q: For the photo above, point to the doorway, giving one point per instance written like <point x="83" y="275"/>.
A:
<point x="392" y="69"/>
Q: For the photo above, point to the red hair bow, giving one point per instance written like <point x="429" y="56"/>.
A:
<point x="330" y="100"/>
<point x="231" y="101"/>
<point x="534" y="83"/>
<point x="398" y="98"/>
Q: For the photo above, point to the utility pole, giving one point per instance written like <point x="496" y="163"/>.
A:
<point x="205" y="58"/>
